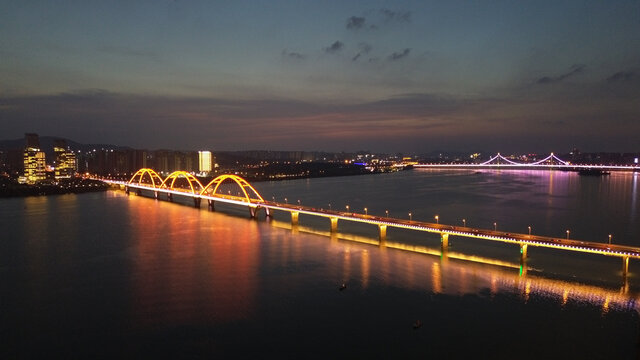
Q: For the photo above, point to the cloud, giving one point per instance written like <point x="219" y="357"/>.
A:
<point x="355" y="22"/>
<point x="399" y="55"/>
<point x="363" y="49"/>
<point x="409" y="122"/>
<point x="293" y="55"/>
<point x="334" y="48"/>
<point x="400" y="16"/>
<point x="575" y="69"/>
<point x="622" y="76"/>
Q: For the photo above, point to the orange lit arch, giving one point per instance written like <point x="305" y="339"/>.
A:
<point x="250" y="194"/>
<point x="156" y="180"/>
<point x="195" y="185"/>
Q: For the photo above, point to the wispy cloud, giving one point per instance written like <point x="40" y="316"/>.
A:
<point x="574" y="70"/>
<point x="622" y="76"/>
<point x="363" y="49"/>
<point x="399" y="55"/>
<point x="334" y="48"/>
<point x="355" y="22"/>
<point x="400" y="16"/>
<point x="293" y="55"/>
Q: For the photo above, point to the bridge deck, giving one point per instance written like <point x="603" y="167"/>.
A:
<point x="506" y="237"/>
<point x="513" y="238"/>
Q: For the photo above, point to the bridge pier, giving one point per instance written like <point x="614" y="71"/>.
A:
<point x="212" y="206"/>
<point x="138" y="192"/>
<point x="126" y="190"/>
<point x="334" y="224"/>
<point x="294" y="218"/>
<point x="196" y="202"/>
<point x="523" y="252"/>
<point x="170" y="197"/>
<point x="253" y="211"/>
<point x="444" y="241"/>
<point x="382" y="231"/>
<point x="625" y="268"/>
<point x="523" y="259"/>
<point x="444" y="246"/>
<point x="156" y="194"/>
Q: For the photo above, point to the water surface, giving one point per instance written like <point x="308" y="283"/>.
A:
<point x="105" y="274"/>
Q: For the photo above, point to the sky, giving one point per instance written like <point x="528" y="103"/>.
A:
<point x="383" y="76"/>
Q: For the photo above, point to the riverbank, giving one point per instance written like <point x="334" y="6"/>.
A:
<point x="11" y="188"/>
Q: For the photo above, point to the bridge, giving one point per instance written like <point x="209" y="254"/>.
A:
<point x="234" y="190"/>
<point x="549" y="162"/>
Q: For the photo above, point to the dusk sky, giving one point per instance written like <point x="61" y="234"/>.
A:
<point x="510" y="76"/>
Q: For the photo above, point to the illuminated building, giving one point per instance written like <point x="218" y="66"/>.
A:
<point x="65" y="166"/>
<point x="34" y="160"/>
<point x="204" y="162"/>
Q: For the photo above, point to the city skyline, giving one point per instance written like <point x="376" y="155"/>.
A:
<point x="388" y="77"/>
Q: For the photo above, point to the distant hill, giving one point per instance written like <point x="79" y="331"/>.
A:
<point x="46" y="144"/>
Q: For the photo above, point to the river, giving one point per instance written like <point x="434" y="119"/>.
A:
<point x="111" y="275"/>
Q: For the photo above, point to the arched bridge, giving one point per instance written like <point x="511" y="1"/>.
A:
<point x="225" y="188"/>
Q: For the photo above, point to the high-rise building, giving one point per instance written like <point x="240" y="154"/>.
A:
<point x="204" y="161"/>
<point x="34" y="160"/>
<point x="65" y="165"/>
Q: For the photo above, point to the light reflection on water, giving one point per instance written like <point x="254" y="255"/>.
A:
<point x="459" y="274"/>
<point x="180" y="276"/>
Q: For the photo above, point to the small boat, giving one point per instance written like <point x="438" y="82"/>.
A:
<point x="593" y="172"/>
<point x="417" y="324"/>
<point x="342" y="287"/>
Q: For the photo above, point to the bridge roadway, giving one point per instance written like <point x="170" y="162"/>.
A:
<point x="446" y="230"/>
<point x="522" y="240"/>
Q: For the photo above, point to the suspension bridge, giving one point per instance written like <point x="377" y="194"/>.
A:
<point x="234" y="190"/>
<point x="550" y="162"/>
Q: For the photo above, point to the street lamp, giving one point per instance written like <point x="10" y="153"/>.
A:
<point x="464" y="222"/>
<point x="298" y="202"/>
<point x="609" y="239"/>
<point x="387" y="212"/>
<point x="409" y="216"/>
<point x="365" y="211"/>
<point x="347" y="208"/>
<point x="529" y="230"/>
<point x="437" y="219"/>
<point x="329" y="206"/>
<point x="568" y="234"/>
<point x="286" y="201"/>
<point x="495" y="226"/>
